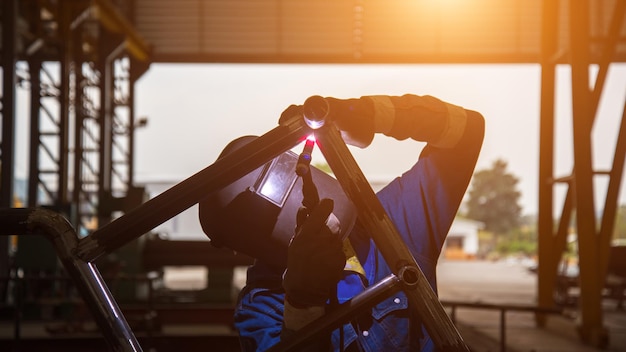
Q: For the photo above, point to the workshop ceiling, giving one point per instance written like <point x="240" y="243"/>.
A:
<point x="358" y="31"/>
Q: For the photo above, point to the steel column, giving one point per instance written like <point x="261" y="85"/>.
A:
<point x="548" y="259"/>
<point x="34" y="67"/>
<point x="7" y="146"/>
<point x="591" y="327"/>
<point x="615" y="174"/>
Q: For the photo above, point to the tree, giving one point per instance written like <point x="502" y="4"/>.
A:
<point x="494" y="199"/>
<point x="619" y="233"/>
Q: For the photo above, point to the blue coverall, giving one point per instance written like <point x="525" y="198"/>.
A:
<point x="422" y="203"/>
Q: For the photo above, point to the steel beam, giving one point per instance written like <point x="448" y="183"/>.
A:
<point x="546" y="273"/>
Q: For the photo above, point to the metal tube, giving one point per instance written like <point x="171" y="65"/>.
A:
<point x="192" y="190"/>
<point x="103" y="306"/>
<point x="383" y="232"/>
<point x="342" y="314"/>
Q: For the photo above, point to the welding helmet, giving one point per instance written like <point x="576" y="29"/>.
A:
<point x="256" y="214"/>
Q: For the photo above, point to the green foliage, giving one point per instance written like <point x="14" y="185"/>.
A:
<point x="507" y="246"/>
<point x="521" y="240"/>
<point x="619" y="233"/>
<point x="494" y="199"/>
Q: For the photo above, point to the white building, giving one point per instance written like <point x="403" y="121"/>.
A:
<point x="462" y="240"/>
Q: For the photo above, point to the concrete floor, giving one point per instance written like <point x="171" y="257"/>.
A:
<point x="500" y="283"/>
<point x="510" y="283"/>
<point x="489" y="283"/>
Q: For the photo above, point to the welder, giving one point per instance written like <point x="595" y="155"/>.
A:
<point x="313" y="255"/>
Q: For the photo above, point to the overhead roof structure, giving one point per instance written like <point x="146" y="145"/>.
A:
<point x="358" y="31"/>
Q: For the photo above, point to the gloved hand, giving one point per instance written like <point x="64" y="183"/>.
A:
<point x="355" y="118"/>
<point x="290" y="112"/>
<point x="422" y="118"/>
<point x="315" y="258"/>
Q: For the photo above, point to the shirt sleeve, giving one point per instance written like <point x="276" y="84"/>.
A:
<point x="423" y="202"/>
<point x="259" y="318"/>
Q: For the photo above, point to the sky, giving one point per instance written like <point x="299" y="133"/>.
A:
<point x="194" y="110"/>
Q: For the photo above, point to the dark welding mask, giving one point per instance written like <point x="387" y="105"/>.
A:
<point x="256" y="214"/>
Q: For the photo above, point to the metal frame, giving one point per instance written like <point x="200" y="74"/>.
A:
<point x="78" y="254"/>
<point x="593" y="241"/>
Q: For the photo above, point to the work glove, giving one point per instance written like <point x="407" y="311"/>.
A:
<point x="354" y="118"/>
<point x="422" y="118"/>
<point x="315" y="258"/>
<point x="290" y="112"/>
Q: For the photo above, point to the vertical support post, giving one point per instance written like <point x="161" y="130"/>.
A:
<point x="34" y="66"/>
<point x="7" y="146"/>
<point x="615" y="175"/>
<point x="104" y="66"/>
<point x="74" y="58"/>
<point x="610" y="206"/>
<point x="65" y="48"/>
<point x="546" y="273"/>
<point x="591" y="329"/>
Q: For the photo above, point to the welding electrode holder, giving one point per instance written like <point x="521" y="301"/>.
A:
<point x="304" y="159"/>
<point x="310" y="196"/>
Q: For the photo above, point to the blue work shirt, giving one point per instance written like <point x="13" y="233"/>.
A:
<point x="422" y="204"/>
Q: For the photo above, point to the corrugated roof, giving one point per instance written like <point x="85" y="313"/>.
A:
<point x="420" y="31"/>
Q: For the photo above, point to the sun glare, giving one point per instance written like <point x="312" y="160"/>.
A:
<point x="443" y="5"/>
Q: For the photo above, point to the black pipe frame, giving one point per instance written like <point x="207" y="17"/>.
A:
<point x="78" y="254"/>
